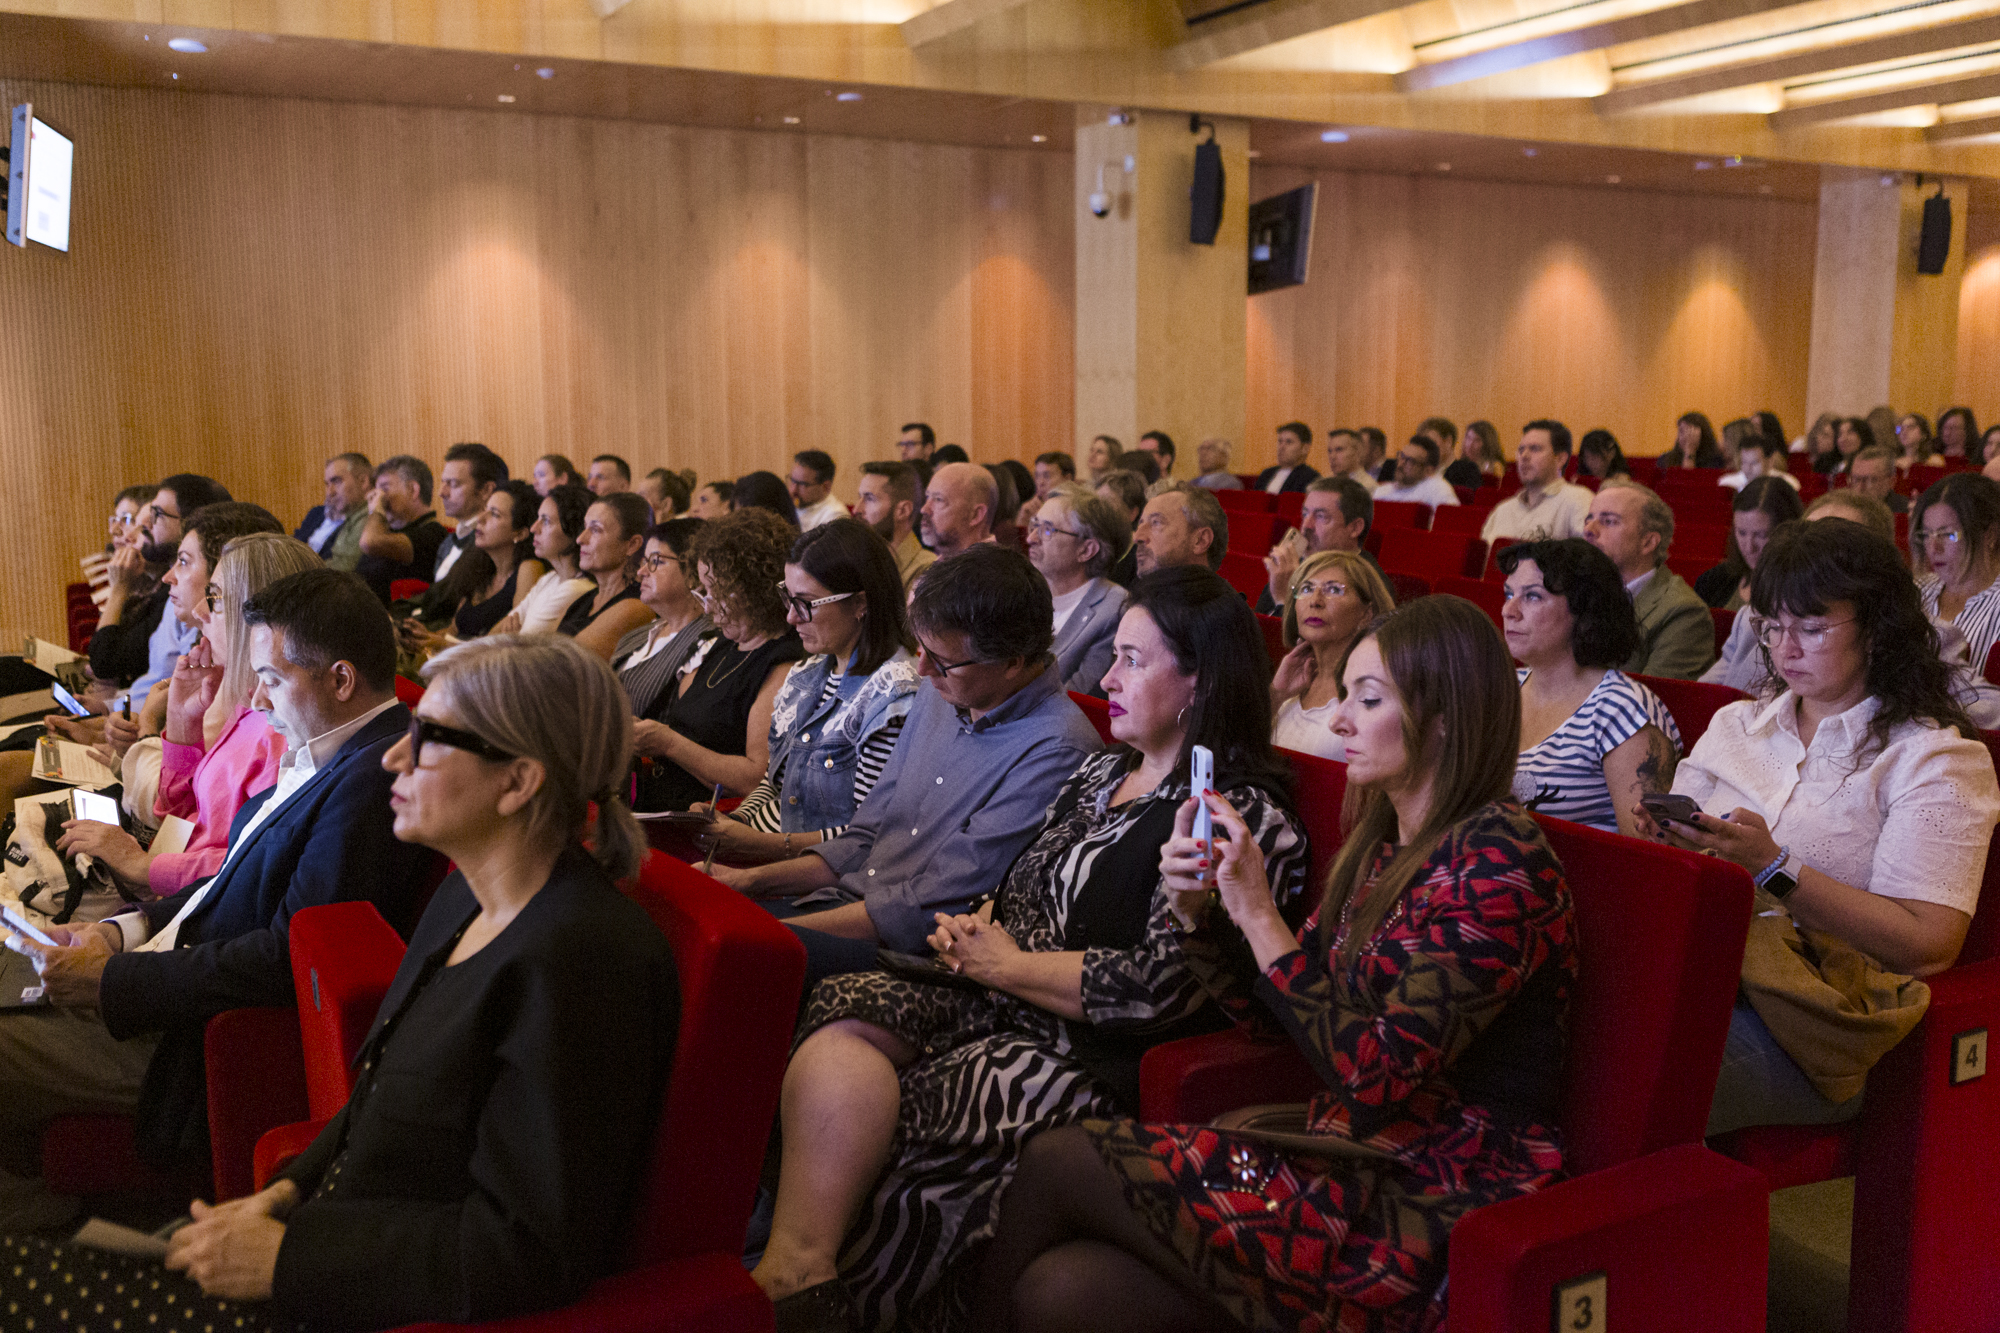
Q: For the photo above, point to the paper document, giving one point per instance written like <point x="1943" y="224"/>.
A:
<point x="70" y="763"/>
<point x="173" y="835"/>
<point x="48" y="656"/>
<point x="102" y="1235"/>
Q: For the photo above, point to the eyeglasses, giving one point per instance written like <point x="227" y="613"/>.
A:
<point x="423" y="729"/>
<point x="938" y="664"/>
<point x="661" y="562"/>
<point x="154" y="514"/>
<point x="1771" y="634"/>
<point x="1949" y="536"/>
<point x="1419" y="460"/>
<point x="1310" y="589"/>
<point x="124" y="520"/>
<point x="1044" y="529"/>
<point x="803" y="607"/>
<point x="212" y="598"/>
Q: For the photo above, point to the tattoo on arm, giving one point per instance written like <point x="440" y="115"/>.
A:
<point x="1656" y="770"/>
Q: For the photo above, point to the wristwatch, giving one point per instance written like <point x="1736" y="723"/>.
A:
<point x="1777" y="878"/>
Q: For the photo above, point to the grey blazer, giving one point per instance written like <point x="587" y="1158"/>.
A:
<point x="1083" y="647"/>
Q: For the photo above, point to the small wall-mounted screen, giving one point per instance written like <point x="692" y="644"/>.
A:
<point x="38" y="182"/>
<point x="1281" y="239"/>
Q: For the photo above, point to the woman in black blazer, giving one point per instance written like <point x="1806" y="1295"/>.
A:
<point x="507" y="1095"/>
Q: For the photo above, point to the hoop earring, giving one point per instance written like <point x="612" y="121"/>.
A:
<point x="1180" y="718"/>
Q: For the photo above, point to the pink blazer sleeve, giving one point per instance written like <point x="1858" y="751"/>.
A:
<point x="243" y="762"/>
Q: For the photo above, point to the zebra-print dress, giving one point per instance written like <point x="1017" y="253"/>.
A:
<point x="994" y="1070"/>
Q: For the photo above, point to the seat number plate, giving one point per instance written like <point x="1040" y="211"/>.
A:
<point x="1579" y="1305"/>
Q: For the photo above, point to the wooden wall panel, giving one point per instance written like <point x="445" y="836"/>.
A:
<point x="1978" y="383"/>
<point x="255" y="284"/>
<point x="1610" y="308"/>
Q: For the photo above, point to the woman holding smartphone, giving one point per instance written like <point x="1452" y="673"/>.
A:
<point x="912" y="1100"/>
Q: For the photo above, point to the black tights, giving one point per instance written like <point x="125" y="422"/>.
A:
<point x="1070" y="1255"/>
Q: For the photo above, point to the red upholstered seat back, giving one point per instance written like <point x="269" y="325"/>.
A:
<point x="1099" y="713"/>
<point x="344" y="955"/>
<point x="1661" y="942"/>
<point x="740" y="973"/>
<point x="1273" y="629"/>
<point x="1982" y="938"/>
<point x="1319" y="791"/>
<point x="1691" y="702"/>
<point x="1245" y="573"/>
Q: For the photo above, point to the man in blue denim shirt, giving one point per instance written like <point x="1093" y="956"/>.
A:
<point x="990" y="740"/>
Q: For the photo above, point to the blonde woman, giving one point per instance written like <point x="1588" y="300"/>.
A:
<point x="1334" y="596"/>
<point x="217" y="750"/>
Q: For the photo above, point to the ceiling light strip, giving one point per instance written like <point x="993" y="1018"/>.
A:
<point x="1780" y="36"/>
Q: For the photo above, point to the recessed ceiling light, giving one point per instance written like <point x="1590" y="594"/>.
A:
<point x="1038" y="138"/>
<point x="1333" y="136"/>
<point x="177" y="76"/>
<point x="1612" y="180"/>
<point x="847" y="97"/>
<point x="1703" y="164"/>
<point x="791" y="120"/>
<point x="187" y="44"/>
<point x="506" y="97"/>
<point x="545" y="72"/>
<point x="1530" y="152"/>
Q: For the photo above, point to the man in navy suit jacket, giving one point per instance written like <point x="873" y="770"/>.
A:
<point x="1292" y="472"/>
<point x="324" y="654"/>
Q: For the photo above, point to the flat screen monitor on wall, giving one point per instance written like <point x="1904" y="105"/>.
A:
<point x="38" y="174"/>
<point x="1281" y="239"/>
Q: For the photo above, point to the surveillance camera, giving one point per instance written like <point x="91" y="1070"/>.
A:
<point x="1100" y="204"/>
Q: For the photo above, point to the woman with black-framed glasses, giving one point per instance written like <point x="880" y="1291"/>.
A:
<point x="837" y="716"/>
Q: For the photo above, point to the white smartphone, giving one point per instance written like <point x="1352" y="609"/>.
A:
<point x="22" y="926"/>
<point x="94" y="805"/>
<point x="1202" y="780"/>
<point x="68" y="700"/>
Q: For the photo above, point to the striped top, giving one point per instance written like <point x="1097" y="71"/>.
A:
<point x="1563" y="773"/>
<point x="1979" y="621"/>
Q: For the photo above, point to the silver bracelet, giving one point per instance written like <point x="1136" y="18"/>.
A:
<point x="1784" y="855"/>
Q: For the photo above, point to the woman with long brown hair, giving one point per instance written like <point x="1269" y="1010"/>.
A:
<point x="1430" y="991"/>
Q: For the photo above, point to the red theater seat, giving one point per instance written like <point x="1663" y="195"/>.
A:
<point x="1434" y="555"/>
<point x="1487" y="596"/>
<point x="1464" y="519"/>
<point x="1252" y="533"/>
<point x="1273" y="628"/>
<point x="1679" y="1232"/>
<point x="1099" y="713"/>
<point x="1402" y="514"/>
<point x="1725" y="621"/>
<point x="1691" y="703"/>
<point x="1245" y="573"/>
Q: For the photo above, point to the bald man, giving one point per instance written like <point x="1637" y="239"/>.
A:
<point x="959" y="505"/>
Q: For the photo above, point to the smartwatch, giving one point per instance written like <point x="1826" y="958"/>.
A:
<point x="1777" y="878"/>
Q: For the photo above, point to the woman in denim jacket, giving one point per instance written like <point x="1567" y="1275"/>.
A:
<point x="838" y="714"/>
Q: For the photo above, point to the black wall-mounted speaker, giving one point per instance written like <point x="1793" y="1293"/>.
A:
<point x="1935" y="243"/>
<point x="1205" y="195"/>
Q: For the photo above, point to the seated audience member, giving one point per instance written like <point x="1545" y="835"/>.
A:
<point x="471" y="471"/>
<point x="553" y="470"/>
<point x="1767" y="422"/>
<point x="763" y="490"/>
<point x="1694" y="444"/>
<point x="1375" y="454"/>
<point x="1180" y="525"/>
<point x="1872" y="472"/>
<point x="959" y="508"/>
<point x="1430" y="992"/>
<point x="558" y="523"/>
<point x="489" y="583"/>
<point x="1334" y="595"/>
<point x="1443" y="432"/>
<point x="1989" y="448"/>
<point x="1073" y="543"/>
<point x="1818" y="443"/>
<point x="916" y="442"/>
<point x="1127" y="492"/>
<point x="535" y="1011"/>
<point x="324" y="656"/>
<point x="890" y="494"/>
<point x="667" y="492"/>
<point x="908" y="1104"/>
<point x="1417" y="481"/>
<point x="1855" y="507"/>
<point x="1852" y="435"/>
<point x="1914" y="443"/>
<point x="1336" y="516"/>
<point x="1161" y="446"/>
<point x="1480" y="461"/>
<point x="648" y="660"/>
<point x="1755" y="512"/>
<point x="1345" y="457"/>
<point x="1593" y="740"/>
<point x="984" y="751"/>
<point x="1291" y="472"/>
<point x="614" y="532"/>
<point x="714" y="723"/>
<point x="1881" y="421"/>
<point x="1767" y="454"/>
<point x="136" y="640"/>
<point x="1140" y="462"/>
<point x="1735" y="438"/>
<point x="711" y="501"/>
<point x="1102" y="456"/>
<point x="811" y="489"/>
<point x="1856" y="808"/>
<point x="128" y="508"/>
<point x="948" y="453"/>
<point x="1007" y="504"/>
<point x="1212" y="460"/>
<point x="838" y="714"/>
<point x="217" y="751"/>
<point x="333" y="527"/>
<point x="1634" y="526"/>
<point x="608" y="475"/>
<point x="1957" y="429"/>
<point x="1546" y="508"/>
<point x="1957" y="539"/>
<point x="1052" y="469"/>
<point x="1598" y="454"/>
<point x="401" y="536"/>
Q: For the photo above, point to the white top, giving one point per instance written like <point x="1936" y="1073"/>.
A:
<point x="1914" y="822"/>
<point x="1557" y="512"/>
<point x="1433" y="490"/>
<point x="1277" y="481"/>
<point x="1366" y="480"/>
<point x="827" y="510"/>
<point x="1736" y="481"/>
<point x="327" y="527"/>
<point x="1067" y="603"/>
<point x="1307" y="730"/>
<point x="551" y="596"/>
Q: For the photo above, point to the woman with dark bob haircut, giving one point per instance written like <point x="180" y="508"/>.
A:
<point x="912" y="1101"/>
<point x="1860" y="799"/>
<point x="1956" y="541"/>
<point x="1430" y="991"/>
<point x="839" y="712"/>
<point x="714" y="725"/>
<point x="1593" y="739"/>
<point x="764" y="490"/>
<point x="1598" y="455"/>
<point x="1762" y="504"/>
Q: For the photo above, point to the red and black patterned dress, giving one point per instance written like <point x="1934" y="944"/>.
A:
<point x="1441" y="1045"/>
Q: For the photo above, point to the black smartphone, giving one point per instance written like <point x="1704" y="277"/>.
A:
<point x="1670" y="809"/>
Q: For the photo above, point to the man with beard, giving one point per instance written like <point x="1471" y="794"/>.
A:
<point x="136" y="645"/>
<point x="888" y="504"/>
